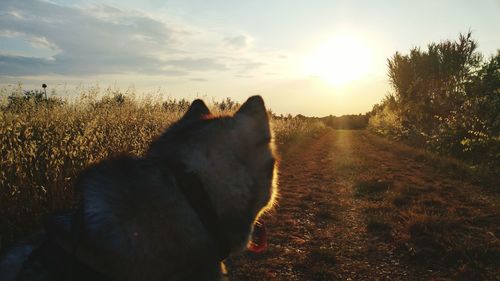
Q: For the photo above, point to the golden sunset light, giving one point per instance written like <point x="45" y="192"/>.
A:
<point x="343" y="59"/>
<point x="222" y="140"/>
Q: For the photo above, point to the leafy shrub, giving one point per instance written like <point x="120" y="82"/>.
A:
<point x="447" y="99"/>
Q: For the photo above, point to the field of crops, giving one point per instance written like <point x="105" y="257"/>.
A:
<point x="46" y="142"/>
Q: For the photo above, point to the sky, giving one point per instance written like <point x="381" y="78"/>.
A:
<point x="315" y="57"/>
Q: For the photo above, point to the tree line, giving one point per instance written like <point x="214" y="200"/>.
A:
<point x="445" y="98"/>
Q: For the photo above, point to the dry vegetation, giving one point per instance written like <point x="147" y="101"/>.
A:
<point x="45" y="143"/>
<point x="432" y="211"/>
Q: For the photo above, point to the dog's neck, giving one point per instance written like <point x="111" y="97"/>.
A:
<point x="191" y="186"/>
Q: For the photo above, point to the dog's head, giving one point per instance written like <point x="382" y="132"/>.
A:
<point x="234" y="158"/>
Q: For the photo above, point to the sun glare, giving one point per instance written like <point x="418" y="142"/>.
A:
<point x="341" y="60"/>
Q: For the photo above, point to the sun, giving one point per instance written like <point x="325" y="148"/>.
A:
<point x="340" y="60"/>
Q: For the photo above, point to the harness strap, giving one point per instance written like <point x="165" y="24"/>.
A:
<point x="192" y="187"/>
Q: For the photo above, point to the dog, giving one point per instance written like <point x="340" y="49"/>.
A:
<point x="174" y="214"/>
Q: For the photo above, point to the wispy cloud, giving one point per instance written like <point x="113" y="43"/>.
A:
<point x="201" y="64"/>
<point x="199" y="79"/>
<point x="238" y="42"/>
<point x="89" y="40"/>
<point x="249" y="66"/>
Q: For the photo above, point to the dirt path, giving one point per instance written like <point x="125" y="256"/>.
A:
<point x="321" y="229"/>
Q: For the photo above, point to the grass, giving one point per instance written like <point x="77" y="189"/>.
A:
<point x="325" y="214"/>
<point x="452" y="243"/>
<point x="378" y="227"/>
<point x="45" y="144"/>
<point x="432" y="210"/>
<point x="435" y="229"/>
<point x="460" y="170"/>
<point x="326" y="255"/>
<point x="320" y="264"/>
<point x="374" y="188"/>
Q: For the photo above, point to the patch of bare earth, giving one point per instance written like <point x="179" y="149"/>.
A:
<point x="357" y="207"/>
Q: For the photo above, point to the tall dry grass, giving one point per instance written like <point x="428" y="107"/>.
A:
<point x="46" y="143"/>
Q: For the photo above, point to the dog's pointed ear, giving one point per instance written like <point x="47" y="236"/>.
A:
<point x="196" y="110"/>
<point x="254" y="108"/>
<point x="252" y="120"/>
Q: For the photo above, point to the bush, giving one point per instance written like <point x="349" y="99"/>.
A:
<point x="447" y="99"/>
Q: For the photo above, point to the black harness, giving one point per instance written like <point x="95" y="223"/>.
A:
<point x="191" y="185"/>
